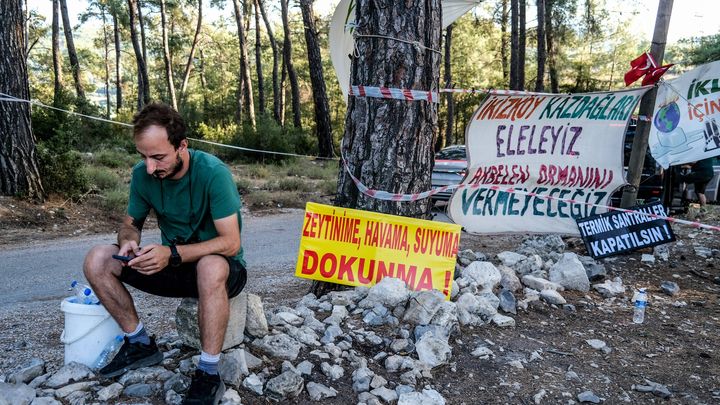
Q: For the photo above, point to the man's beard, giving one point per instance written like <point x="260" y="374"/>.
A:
<point x="173" y="170"/>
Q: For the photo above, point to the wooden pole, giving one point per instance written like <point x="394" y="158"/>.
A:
<point x="640" y="142"/>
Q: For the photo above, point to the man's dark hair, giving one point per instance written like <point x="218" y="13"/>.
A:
<point x="161" y="115"/>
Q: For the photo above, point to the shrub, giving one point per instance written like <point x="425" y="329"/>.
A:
<point x="258" y="198"/>
<point x="115" y="158"/>
<point x="328" y="187"/>
<point x="292" y="184"/>
<point x="289" y="200"/>
<point x="62" y="172"/>
<point x="258" y="172"/>
<point x="116" y="200"/>
<point x="243" y="185"/>
<point x="102" y="178"/>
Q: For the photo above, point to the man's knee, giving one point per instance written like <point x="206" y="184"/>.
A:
<point x="212" y="271"/>
<point x="98" y="261"/>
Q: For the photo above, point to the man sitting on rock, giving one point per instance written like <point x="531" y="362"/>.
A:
<point x="198" y="210"/>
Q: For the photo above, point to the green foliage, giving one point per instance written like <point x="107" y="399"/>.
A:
<point x="62" y="172"/>
<point x="259" y="172"/>
<point x="114" y="158"/>
<point x="313" y="170"/>
<point x="290" y="184"/>
<point x="116" y="200"/>
<point x="259" y="198"/>
<point x="243" y="185"/>
<point x="328" y="187"/>
<point x="101" y="178"/>
<point x="698" y="50"/>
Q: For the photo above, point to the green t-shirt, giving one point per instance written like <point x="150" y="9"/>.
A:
<point x="186" y="207"/>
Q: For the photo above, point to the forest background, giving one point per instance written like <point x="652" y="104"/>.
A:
<point x="241" y="72"/>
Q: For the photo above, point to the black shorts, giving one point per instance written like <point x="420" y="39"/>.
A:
<point x="699" y="180"/>
<point x="181" y="281"/>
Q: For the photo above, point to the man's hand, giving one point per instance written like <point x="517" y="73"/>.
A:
<point x="129" y="248"/>
<point x="151" y="259"/>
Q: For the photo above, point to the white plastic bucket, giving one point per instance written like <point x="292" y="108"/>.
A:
<point x="88" y="329"/>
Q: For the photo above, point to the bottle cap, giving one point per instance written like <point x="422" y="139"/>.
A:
<point x="87" y="292"/>
<point x="73" y="283"/>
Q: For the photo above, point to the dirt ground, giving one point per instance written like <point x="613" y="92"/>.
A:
<point x="676" y="346"/>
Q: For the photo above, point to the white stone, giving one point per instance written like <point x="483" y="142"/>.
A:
<point x="510" y="258"/>
<point x="432" y="350"/>
<point x="540" y="284"/>
<point x="570" y="273"/>
<point x="484" y="274"/>
<point x="552" y="297"/>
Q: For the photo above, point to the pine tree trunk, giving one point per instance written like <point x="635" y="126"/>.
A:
<point x="258" y="62"/>
<point x="276" y="62"/>
<point x="287" y="58"/>
<point x="72" y="54"/>
<point x="541" y="55"/>
<point x="143" y="81"/>
<point x="56" y="54"/>
<point x="521" y="44"/>
<point x="118" y="52"/>
<point x="203" y="82"/>
<point x="389" y="143"/>
<point x="166" y="55"/>
<point x="19" y="174"/>
<point x="504" y="41"/>
<point x="106" y="58"/>
<point x="244" y="75"/>
<point x="141" y="22"/>
<point x="551" y="51"/>
<point x="514" y="44"/>
<point x="189" y="64"/>
<point x="283" y="94"/>
<point x="449" y="97"/>
<point x="320" y="100"/>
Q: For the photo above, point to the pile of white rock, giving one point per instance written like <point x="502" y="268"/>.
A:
<point x="383" y="341"/>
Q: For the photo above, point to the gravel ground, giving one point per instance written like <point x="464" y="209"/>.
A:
<point x="677" y="346"/>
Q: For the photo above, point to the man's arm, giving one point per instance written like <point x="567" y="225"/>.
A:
<point x="227" y="243"/>
<point x="153" y="258"/>
<point x="129" y="234"/>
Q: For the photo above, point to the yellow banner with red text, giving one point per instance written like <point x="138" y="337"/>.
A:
<point x="360" y="248"/>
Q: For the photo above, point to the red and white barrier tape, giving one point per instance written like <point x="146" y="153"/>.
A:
<point x="424" y="95"/>
<point x="388" y="196"/>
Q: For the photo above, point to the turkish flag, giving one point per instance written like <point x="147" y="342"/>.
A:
<point x="654" y="75"/>
<point x="639" y="67"/>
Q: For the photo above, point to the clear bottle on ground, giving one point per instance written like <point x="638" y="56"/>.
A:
<point x="108" y="352"/>
<point x="640" y="304"/>
<point x="84" y="293"/>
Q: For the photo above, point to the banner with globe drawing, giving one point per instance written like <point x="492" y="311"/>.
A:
<point x="550" y="147"/>
<point x="687" y="117"/>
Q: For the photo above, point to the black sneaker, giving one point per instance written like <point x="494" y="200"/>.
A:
<point x="205" y="389"/>
<point x="132" y="356"/>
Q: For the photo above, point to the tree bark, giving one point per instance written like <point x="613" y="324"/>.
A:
<point x="276" y="62"/>
<point x="449" y="97"/>
<point x="141" y="22"/>
<point x="522" y="34"/>
<point x="541" y="55"/>
<point x="170" y="81"/>
<point x="19" y="173"/>
<point x="389" y="143"/>
<point x="514" y="44"/>
<point x="191" y="56"/>
<point x="72" y="54"/>
<point x="143" y="81"/>
<point x="244" y="75"/>
<point x="118" y="52"/>
<point x="106" y="59"/>
<point x="504" y="41"/>
<point x="56" y="54"/>
<point x="287" y="58"/>
<point x="258" y="62"/>
<point x="551" y="51"/>
<point x="320" y="100"/>
<point x="203" y="81"/>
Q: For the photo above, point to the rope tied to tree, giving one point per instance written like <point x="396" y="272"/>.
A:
<point x="416" y="44"/>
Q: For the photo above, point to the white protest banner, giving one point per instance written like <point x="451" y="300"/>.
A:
<point x="561" y="146"/>
<point x="686" y="117"/>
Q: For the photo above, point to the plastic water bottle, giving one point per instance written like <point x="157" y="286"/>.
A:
<point x="640" y="304"/>
<point x="108" y="353"/>
<point x="84" y="294"/>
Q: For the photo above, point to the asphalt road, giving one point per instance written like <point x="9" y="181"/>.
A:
<point x="44" y="271"/>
